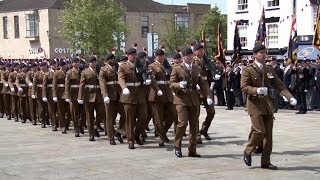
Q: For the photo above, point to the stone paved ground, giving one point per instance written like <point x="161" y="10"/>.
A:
<point x="29" y="152"/>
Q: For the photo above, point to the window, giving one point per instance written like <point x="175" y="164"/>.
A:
<point x="5" y="27"/>
<point x="16" y="27"/>
<point x="243" y="34"/>
<point x="272" y="3"/>
<point x="144" y="26"/>
<point x="182" y="19"/>
<point x="272" y="35"/>
<point x="242" y="5"/>
<point x="32" y="25"/>
<point x="244" y="42"/>
<point x="315" y="11"/>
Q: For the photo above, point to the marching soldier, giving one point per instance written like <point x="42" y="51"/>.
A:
<point x="161" y="96"/>
<point x="90" y="96"/>
<point x="2" y="107"/>
<point x="6" y="90"/>
<point x="32" y="102"/>
<point x="13" y="89"/>
<point x="183" y="81"/>
<point x="111" y="91"/>
<point x="22" y="91"/>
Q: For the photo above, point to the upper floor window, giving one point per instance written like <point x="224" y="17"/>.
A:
<point x="243" y="34"/>
<point x="16" y="27"/>
<point x="5" y="27"/>
<point x="144" y="26"/>
<point x="272" y="3"/>
<point x="272" y="35"/>
<point x="182" y="19"/>
<point x="32" y="25"/>
<point x="315" y="11"/>
<point x="242" y="5"/>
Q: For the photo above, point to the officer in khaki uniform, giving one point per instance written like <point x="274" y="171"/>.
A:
<point x="6" y="90"/>
<point x="37" y="84"/>
<point x="14" y="91"/>
<point x="183" y="81"/>
<point x="256" y="81"/>
<point x="22" y="91"/>
<point x="162" y="98"/>
<point x="71" y="94"/>
<point x="110" y="90"/>
<point x="130" y="82"/>
<point x="58" y="84"/>
<point x="47" y="95"/>
<point x="32" y="102"/>
<point x="1" y="95"/>
<point x="90" y="96"/>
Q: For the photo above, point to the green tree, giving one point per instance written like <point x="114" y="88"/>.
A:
<point x="209" y="25"/>
<point x="178" y="36"/>
<point x="92" y="26"/>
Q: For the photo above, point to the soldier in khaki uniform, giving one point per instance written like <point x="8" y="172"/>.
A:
<point x="90" y="96"/>
<point x="130" y="82"/>
<point x="47" y="95"/>
<point x="183" y="81"/>
<point x="71" y="94"/>
<point x="161" y="96"/>
<point x="32" y="102"/>
<point x="58" y="84"/>
<point x="6" y="90"/>
<point x="1" y="94"/>
<point x="110" y="90"/>
<point x="22" y="91"/>
<point x="14" y="91"/>
<point x="37" y="85"/>
<point x="256" y="81"/>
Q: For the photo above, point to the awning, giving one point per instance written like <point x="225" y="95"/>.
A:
<point x="307" y="51"/>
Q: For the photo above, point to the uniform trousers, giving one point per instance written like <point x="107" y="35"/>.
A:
<point x="164" y="115"/>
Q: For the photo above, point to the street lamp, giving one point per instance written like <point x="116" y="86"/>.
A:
<point x="152" y="41"/>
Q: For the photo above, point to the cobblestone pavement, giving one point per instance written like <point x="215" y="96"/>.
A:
<point x="29" y="152"/>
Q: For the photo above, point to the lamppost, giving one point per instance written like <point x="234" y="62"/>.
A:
<point x="152" y="40"/>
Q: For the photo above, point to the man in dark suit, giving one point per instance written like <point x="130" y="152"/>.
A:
<point x="230" y="79"/>
<point x="302" y="75"/>
<point x="236" y="86"/>
<point x="275" y="93"/>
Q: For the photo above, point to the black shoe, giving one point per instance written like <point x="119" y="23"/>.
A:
<point x="1" y="116"/>
<point x="16" y="120"/>
<point x="131" y="146"/>
<point x="91" y="138"/>
<point x="258" y="150"/>
<point x="124" y="136"/>
<point x="97" y="133"/>
<point x="100" y="128"/>
<point x="34" y="123"/>
<point x="194" y="154"/>
<point x="246" y="159"/>
<point x="54" y="129"/>
<point x="64" y="131"/>
<point x="269" y="166"/>
<point x="177" y="152"/>
<point x="161" y="143"/>
<point x="23" y="121"/>
<point x="112" y="142"/>
<point x="9" y="118"/>
<point x="199" y="141"/>
<point x="48" y="122"/>
<point x="76" y="134"/>
<point x="81" y="130"/>
<point x="119" y="138"/>
<point x="138" y="141"/>
<point x="229" y="108"/>
<point x="206" y="135"/>
<point x="147" y="128"/>
<point x="166" y="139"/>
<point x="43" y="125"/>
<point x="301" y="112"/>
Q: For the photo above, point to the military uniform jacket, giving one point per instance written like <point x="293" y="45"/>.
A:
<point x="89" y="89"/>
<point x="47" y="84"/>
<point x="108" y="80"/>
<point x="29" y="79"/>
<point x="58" y="84"/>
<point x="21" y="83"/>
<point x="72" y="84"/>
<point x="188" y="96"/>
<point x="251" y="80"/>
<point x="127" y="74"/>
<point x="11" y="82"/>
<point x="4" y="80"/>
<point x="159" y="81"/>
<point x="205" y="75"/>
<point x="37" y="84"/>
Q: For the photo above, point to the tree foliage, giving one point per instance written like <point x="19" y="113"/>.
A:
<point x="92" y="25"/>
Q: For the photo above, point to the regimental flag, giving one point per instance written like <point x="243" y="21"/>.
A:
<point x="220" y="57"/>
<point x="261" y="33"/>
<point x="316" y="36"/>
<point x="293" y="42"/>
<point x="236" y="57"/>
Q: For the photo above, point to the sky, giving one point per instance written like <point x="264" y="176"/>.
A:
<point x="222" y="4"/>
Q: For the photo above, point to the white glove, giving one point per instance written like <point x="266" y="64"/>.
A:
<point x="183" y="84"/>
<point x="125" y="91"/>
<point x="30" y="84"/>
<point x="231" y="90"/>
<point x="262" y="90"/>
<point x="285" y="99"/>
<point x="147" y="82"/>
<point x="68" y="100"/>
<point x="55" y="99"/>
<point x="198" y="87"/>
<point x="80" y="101"/>
<point x="315" y="78"/>
<point x="106" y="100"/>
<point x="217" y="76"/>
<point x="6" y="85"/>
<point x="293" y="102"/>
<point x="159" y="93"/>
<point x="44" y="99"/>
<point x="12" y="89"/>
<point x="33" y="96"/>
<point x="209" y="101"/>
<point x="305" y="90"/>
<point x="20" y="89"/>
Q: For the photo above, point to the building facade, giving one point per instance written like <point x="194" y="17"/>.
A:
<point x="29" y="28"/>
<point x="278" y="14"/>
